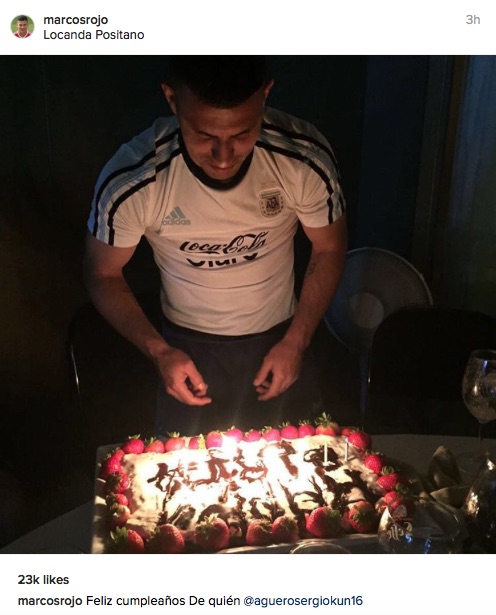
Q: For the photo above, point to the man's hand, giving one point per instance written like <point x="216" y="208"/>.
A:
<point x="280" y="368"/>
<point x="181" y="378"/>
<point x="282" y="365"/>
<point x="112" y="296"/>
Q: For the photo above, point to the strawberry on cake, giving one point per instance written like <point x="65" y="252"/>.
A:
<point x="229" y="488"/>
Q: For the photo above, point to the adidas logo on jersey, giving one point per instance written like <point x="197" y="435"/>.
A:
<point x="176" y="217"/>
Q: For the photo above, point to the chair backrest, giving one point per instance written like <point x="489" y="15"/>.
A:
<point x="115" y="383"/>
<point x="416" y="366"/>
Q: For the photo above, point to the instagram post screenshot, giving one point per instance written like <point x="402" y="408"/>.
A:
<point x="248" y="308"/>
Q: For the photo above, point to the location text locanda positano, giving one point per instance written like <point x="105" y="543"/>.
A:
<point x="92" y="29"/>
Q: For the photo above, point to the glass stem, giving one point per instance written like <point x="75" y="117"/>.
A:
<point x="481" y="437"/>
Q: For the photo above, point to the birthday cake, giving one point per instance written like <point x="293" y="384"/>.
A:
<point x="231" y="489"/>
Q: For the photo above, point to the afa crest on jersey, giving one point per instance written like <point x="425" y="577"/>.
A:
<point x="271" y="203"/>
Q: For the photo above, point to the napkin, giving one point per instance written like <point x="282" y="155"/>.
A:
<point x="443" y="480"/>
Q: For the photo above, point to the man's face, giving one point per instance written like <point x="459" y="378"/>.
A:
<point x="22" y="27"/>
<point x="217" y="140"/>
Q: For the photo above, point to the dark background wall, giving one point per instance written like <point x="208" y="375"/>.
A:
<point x="61" y="118"/>
<point x="396" y="90"/>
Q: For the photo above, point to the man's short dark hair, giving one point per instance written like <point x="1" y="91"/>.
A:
<point x="219" y="81"/>
<point x="22" y="18"/>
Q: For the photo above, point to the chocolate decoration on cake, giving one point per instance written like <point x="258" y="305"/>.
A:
<point x="242" y="482"/>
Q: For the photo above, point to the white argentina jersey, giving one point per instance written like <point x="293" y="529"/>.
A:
<point x="225" y="254"/>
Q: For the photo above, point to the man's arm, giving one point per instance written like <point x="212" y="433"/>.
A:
<point x="111" y="295"/>
<point x="283" y="362"/>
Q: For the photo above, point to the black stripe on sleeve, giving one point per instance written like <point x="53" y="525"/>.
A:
<point x="301" y="137"/>
<point x="127" y="169"/>
<point x="125" y="195"/>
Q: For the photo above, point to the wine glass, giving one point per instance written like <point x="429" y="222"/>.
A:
<point x="480" y="509"/>
<point x="479" y="395"/>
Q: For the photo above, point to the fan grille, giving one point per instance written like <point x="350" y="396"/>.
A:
<point x="375" y="283"/>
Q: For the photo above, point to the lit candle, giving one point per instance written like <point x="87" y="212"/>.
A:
<point x="181" y="466"/>
<point x="185" y="457"/>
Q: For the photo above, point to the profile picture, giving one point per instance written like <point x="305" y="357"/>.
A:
<point x="22" y="26"/>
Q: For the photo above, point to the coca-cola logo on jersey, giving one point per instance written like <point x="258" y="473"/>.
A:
<point x="240" y="247"/>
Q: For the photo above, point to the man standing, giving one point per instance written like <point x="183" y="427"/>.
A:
<point x="22" y="27"/>
<point x="218" y="190"/>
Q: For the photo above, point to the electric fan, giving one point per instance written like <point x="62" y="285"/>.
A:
<point x="375" y="283"/>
